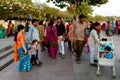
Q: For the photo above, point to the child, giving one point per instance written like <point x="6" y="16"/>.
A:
<point x="34" y="52"/>
<point x="108" y="54"/>
<point x="88" y="29"/>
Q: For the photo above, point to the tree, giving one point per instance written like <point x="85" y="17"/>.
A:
<point x="50" y="12"/>
<point x="85" y="9"/>
<point x="77" y="5"/>
<point x="98" y="18"/>
<point x="26" y="1"/>
<point x="21" y="8"/>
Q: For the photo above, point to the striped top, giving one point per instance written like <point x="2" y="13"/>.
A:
<point x="33" y="34"/>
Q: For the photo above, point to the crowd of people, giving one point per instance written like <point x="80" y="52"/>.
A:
<point x="52" y="36"/>
<point x="111" y="27"/>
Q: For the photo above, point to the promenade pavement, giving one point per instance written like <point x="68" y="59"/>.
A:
<point x="6" y="42"/>
<point x="63" y="69"/>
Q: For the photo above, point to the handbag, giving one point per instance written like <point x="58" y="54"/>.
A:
<point x="65" y="37"/>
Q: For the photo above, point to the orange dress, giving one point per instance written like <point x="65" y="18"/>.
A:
<point x="19" y="37"/>
<point x="17" y="45"/>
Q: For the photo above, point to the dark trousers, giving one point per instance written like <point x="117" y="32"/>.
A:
<point x="114" y="31"/>
<point x="42" y="45"/>
<point x="78" y="47"/>
<point x="69" y="44"/>
<point x="34" y="57"/>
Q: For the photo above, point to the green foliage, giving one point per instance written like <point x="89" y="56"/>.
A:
<point x="62" y="3"/>
<point x="97" y="2"/>
<point x="49" y="12"/>
<point x="25" y="1"/>
<point x="85" y="9"/>
<point x="23" y="8"/>
<point x="1" y="27"/>
<point x="98" y="18"/>
<point x="79" y="6"/>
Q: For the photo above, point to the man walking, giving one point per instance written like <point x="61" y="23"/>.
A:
<point x="79" y="37"/>
<point x="60" y="31"/>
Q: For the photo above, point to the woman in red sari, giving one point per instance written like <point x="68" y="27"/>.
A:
<point x="117" y="27"/>
<point x="52" y="39"/>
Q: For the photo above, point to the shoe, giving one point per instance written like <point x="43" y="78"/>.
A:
<point x="63" y="56"/>
<point x="78" y="62"/>
<point x="88" y="53"/>
<point x="59" y="53"/>
<point x="74" y="53"/>
<point x="33" y="63"/>
<point x="95" y="60"/>
<point x="49" y="55"/>
<point x="42" y="50"/>
<point x="40" y="63"/>
<point x="95" y="65"/>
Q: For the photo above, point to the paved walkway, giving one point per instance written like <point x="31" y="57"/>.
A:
<point x="6" y="42"/>
<point x="64" y="69"/>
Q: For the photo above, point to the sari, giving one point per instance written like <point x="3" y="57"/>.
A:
<point x="42" y="37"/>
<point x="24" y="59"/>
<point x="16" y="56"/>
<point x="52" y="40"/>
<point x="117" y="27"/>
<point x="10" y="29"/>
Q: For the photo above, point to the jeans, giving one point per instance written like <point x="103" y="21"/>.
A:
<point x="114" y="30"/>
<point x="61" y="45"/>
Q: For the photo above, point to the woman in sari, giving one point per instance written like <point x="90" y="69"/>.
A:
<point x="16" y="57"/>
<point x="24" y="58"/>
<point x="10" y="29"/>
<point x="42" y="35"/>
<point x="52" y="39"/>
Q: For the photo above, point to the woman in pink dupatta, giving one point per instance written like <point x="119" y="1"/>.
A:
<point x="117" y="27"/>
<point x="52" y="39"/>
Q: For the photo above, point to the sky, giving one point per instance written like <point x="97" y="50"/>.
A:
<point x="111" y="8"/>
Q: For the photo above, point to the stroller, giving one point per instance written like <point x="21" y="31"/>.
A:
<point x="104" y="61"/>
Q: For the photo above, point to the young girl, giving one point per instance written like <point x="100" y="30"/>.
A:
<point x="88" y="29"/>
<point x="34" y="51"/>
